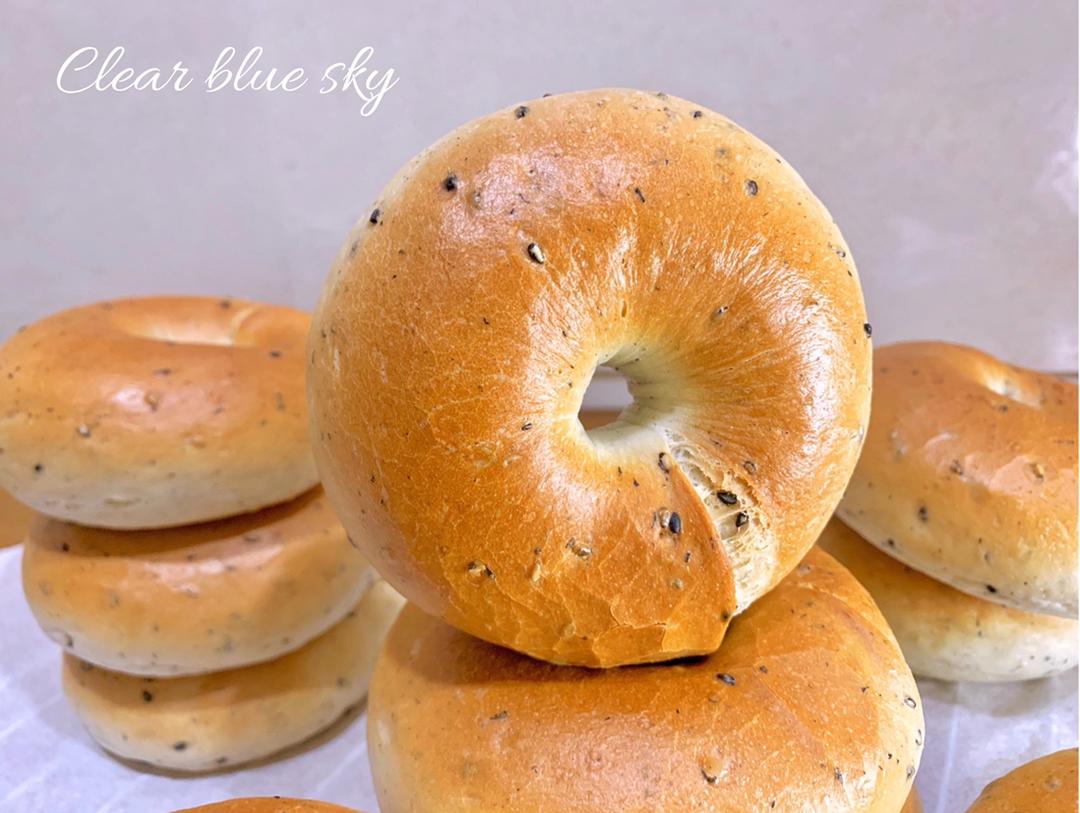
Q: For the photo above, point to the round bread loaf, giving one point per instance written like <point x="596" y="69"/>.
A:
<point x="949" y="635"/>
<point x="200" y="598"/>
<point x="269" y="804"/>
<point x="14" y="520"/>
<point x="808" y="705"/>
<point x="969" y="475"/>
<point x="465" y="317"/>
<point x="146" y="413"/>
<point x="206" y="722"/>
<point x="1045" y="785"/>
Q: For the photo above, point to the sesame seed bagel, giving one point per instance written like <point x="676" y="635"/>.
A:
<point x="463" y="321"/>
<point x="146" y="413"/>
<point x="200" y="598"/>
<point x="1045" y="785"/>
<point x="206" y="722"/>
<point x="269" y="804"/>
<point x="950" y="635"/>
<point x="969" y="475"/>
<point x="807" y="705"/>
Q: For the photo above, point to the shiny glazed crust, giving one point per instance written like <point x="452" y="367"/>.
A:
<point x="1044" y="785"/>
<point x="208" y="722"/>
<point x="155" y="412"/>
<point x="807" y="704"/>
<point x="200" y="598"/>
<point x="465" y="316"/>
<point x="950" y="635"/>
<point x="969" y="475"/>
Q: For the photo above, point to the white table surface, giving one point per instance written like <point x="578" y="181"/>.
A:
<point x="48" y="763"/>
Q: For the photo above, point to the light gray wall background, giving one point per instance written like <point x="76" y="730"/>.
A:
<point x="942" y="135"/>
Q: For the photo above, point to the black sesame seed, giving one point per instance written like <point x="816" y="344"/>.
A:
<point x="991" y="589"/>
<point x="697" y="114"/>
<point x="751" y="188"/>
<point x="741" y="519"/>
<point x="179" y="746"/>
<point x="65" y="547"/>
<point x="536" y="254"/>
<point x="724" y="677"/>
<point x="147" y="696"/>
<point x="376" y="217"/>
<point x="39" y="468"/>
<point x="525" y="427"/>
<point x="727" y="497"/>
<point x="451" y="183"/>
<point x="924" y="514"/>
<point x="675" y="523"/>
<point x="521" y="112"/>
<point x="639" y="193"/>
<point x="891" y="543"/>
<point x="868" y="329"/>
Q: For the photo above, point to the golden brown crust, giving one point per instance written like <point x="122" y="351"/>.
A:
<point x="913" y="804"/>
<point x="950" y="635"/>
<point x="464" y="318"/>
<point x="147" y="413"/>
<point x="195" y="599"/>
<point x="207" y="722"/>
<point x="808" y="703"/>
<point x="969" y="475"/>
<point x="14" y="520"/>
<point x="1045" y="785"/>
<point x="269" y="804"/>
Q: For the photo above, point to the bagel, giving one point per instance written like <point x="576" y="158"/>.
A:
<point x="269" y="804"/>
<point x="949" y="635"/>
<point x="461" y="325"/>
<point x="200" y="598"/>
<point x="969" y="475"/>
<point x="808" y="705"/>
<point x="146" y="413"/>
<point x="1045" y="785"/>
<point x="207" y="722"/>
<point x="14" y="520"/>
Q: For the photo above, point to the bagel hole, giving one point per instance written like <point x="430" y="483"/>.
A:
<point x="605" y="399"/>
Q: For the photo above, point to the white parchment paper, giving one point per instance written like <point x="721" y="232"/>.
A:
<point x="48" y="763"/>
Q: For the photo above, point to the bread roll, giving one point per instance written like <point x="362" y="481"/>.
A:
<point x="969" y="475"/>
<point x="1044" y="785"/>
<point x="200" y="598"/>
<point x="14" y="520"/>
<point x="950" y="635"/>
<point x="155" y="412"/>
<point x="808" y="705"/>
<point x="269" y="804"/>
<point x="208" y="722"/>
<point x="463" y="321"/>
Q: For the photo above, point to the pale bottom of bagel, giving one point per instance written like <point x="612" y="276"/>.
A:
<point x="206" y="722"/>
<point x="1045" y="785"/>
<point x="949" y="635"/>
<point x="807" y="705"/>
<point x="272" y="804"/>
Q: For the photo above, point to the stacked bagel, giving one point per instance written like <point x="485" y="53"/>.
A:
<point x="211" y="608"/>
<point x="627" y="618"/>
<point x="961" y="517"/>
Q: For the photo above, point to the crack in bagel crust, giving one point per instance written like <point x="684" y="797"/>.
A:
<point x="458" y="332"/>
